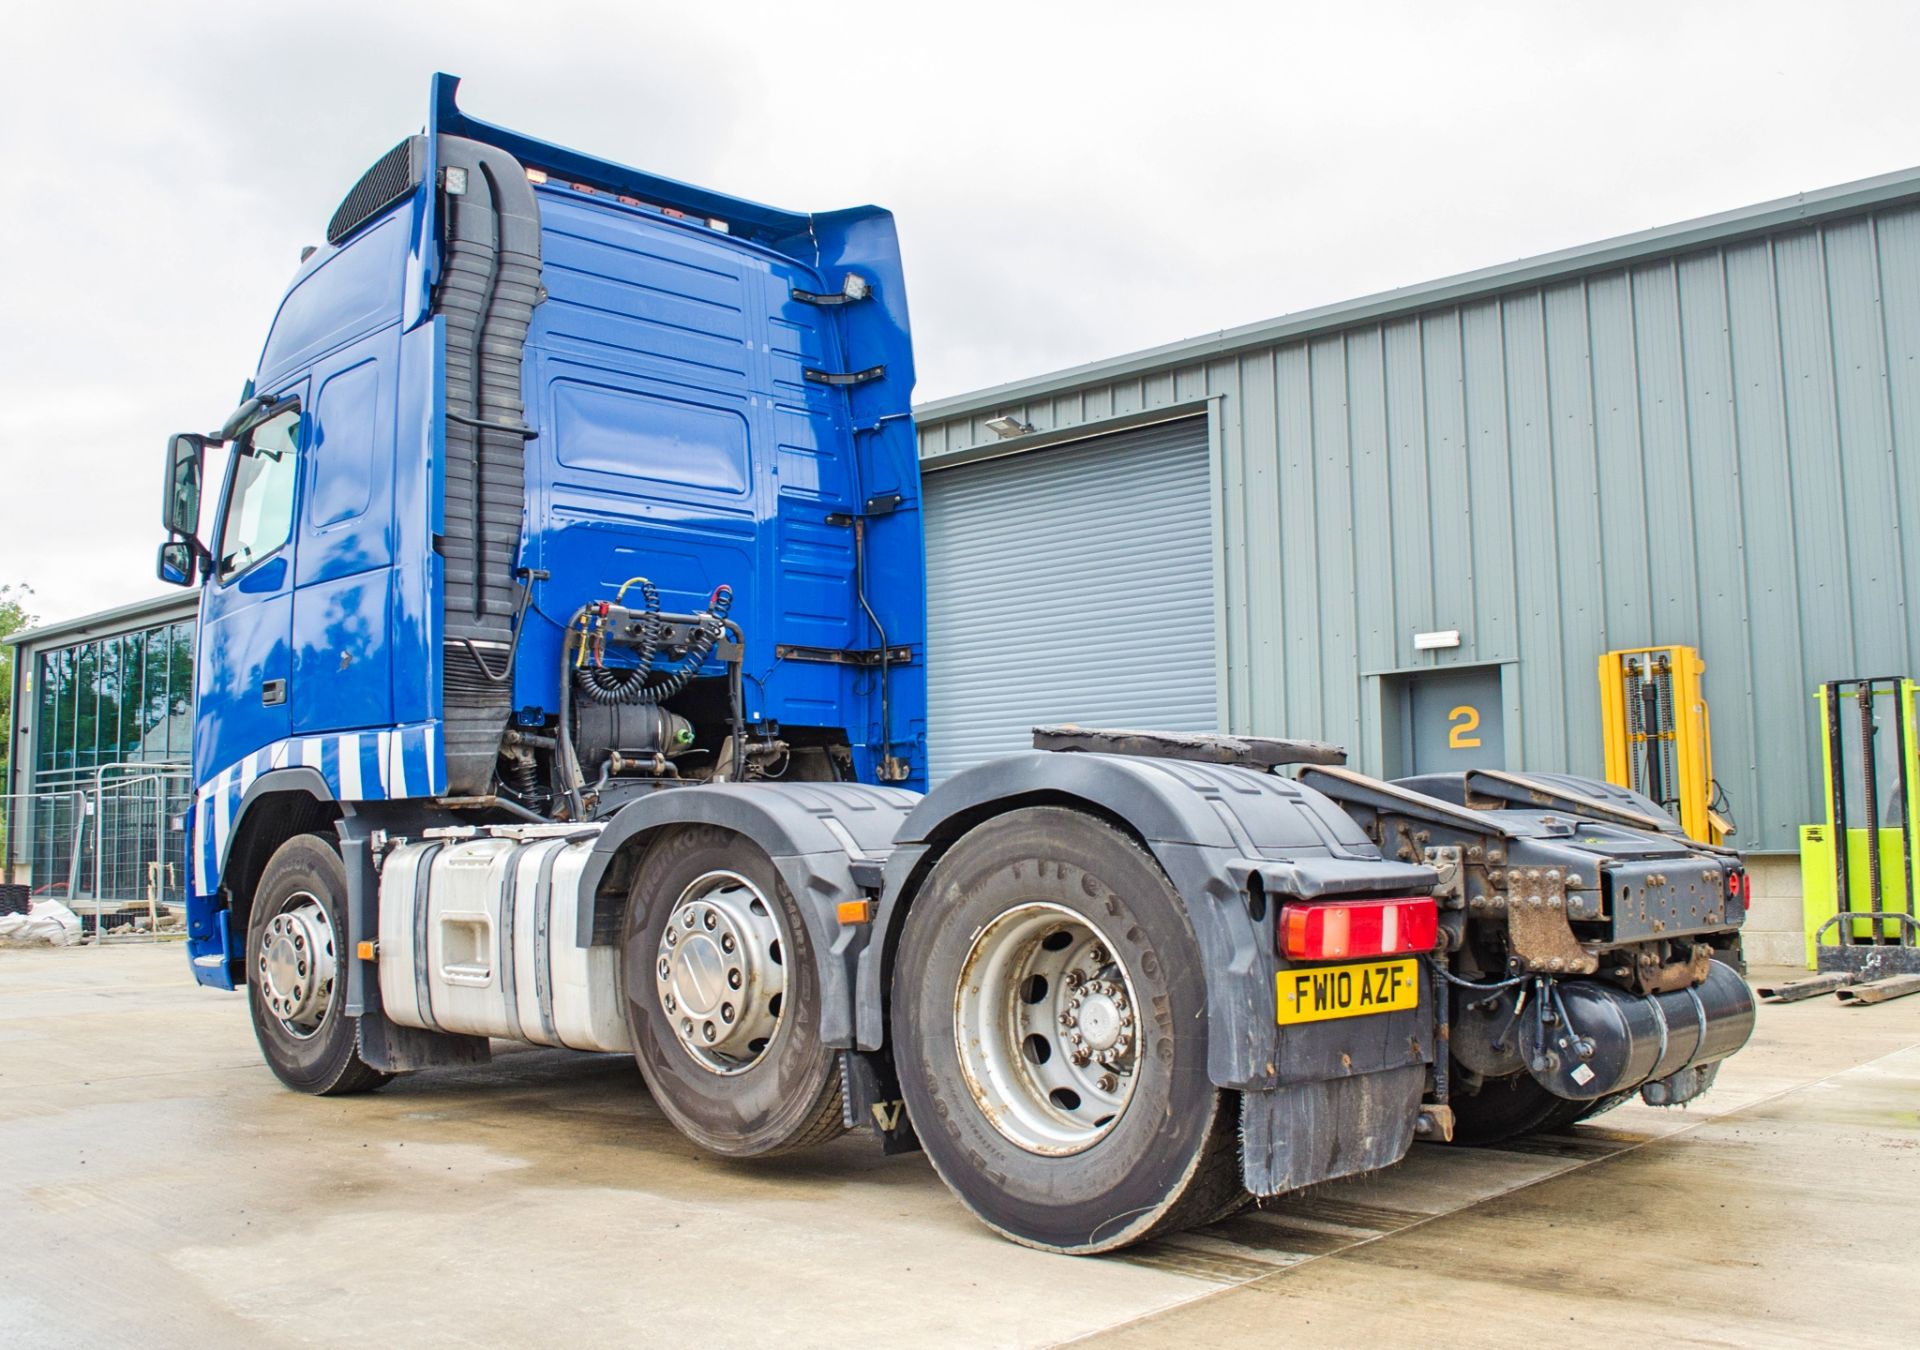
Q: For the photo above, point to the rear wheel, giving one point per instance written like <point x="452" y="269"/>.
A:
<point x="1049" y="1023"/>
<point x="723" y="998"/>
<point x="296" y="972"/>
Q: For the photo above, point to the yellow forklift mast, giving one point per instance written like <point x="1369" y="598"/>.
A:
<point x="1658" y="735"/>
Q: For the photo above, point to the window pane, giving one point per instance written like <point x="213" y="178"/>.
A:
<point x="153" y="693"/>
<point x="180" y="692"/>
<point x="126" y="689"/>
<point x="46" y="728"/>
<point x="260" y="514"/>
<point x="87" y="672"/>
<point x="67" y="673"/>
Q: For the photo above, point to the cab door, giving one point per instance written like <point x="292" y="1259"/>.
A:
<point x="246" y="662"/>
<point x="343" y="533"/>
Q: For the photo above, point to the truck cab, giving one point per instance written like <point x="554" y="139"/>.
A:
<point x="514" y="381"/>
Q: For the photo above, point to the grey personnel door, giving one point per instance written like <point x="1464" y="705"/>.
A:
<point x="1454" y="721"/>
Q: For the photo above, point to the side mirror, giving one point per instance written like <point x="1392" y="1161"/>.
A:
<point x="176" y="563"/>
<point x="180" y="495"/>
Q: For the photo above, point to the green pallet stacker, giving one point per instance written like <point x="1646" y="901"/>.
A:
<point x="1857" y="869"/>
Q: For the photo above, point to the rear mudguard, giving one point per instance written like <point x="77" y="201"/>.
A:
<point x="1213" y="829"/>
<point x="827" y="841"/>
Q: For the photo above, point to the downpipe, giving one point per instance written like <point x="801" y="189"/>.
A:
<point x="1583" y="1040"/>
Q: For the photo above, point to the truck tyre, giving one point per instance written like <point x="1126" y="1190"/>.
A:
<point x="1505" y="1108"/>
<point x="723" y="998"/>
<point x="1050" y="1032"/>
<point x="296" y="972"/>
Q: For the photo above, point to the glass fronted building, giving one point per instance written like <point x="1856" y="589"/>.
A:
<point x="102" y="737"/>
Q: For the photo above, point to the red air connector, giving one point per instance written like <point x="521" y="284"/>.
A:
<point x="1338" y="930"/>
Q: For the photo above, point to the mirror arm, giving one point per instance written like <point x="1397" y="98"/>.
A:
<point x="250" y="414"/>
<point x="198" y="549"/>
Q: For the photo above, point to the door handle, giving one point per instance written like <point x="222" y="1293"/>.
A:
<point x="273" y="693"/>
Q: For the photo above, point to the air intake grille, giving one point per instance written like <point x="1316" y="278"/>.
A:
<point x="391" y="178"/>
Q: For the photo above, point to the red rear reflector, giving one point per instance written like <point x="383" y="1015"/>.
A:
<point x="1334" y="930"/>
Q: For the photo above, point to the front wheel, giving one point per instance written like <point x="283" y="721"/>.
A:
<point x="296" y="972"/>
<point x="1050" y="1032"/>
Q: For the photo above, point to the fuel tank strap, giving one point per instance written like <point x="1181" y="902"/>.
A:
<point x="422" y="894"/>
<point x="509" y="972"/>
<point x="543" y="940"/>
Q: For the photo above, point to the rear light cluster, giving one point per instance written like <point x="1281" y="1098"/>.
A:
<point x="1740" y="887"/>
<point x="1338" y="930"/>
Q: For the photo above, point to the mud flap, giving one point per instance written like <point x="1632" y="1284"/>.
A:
<point x="383" y="1043"/>
<point x="1297" y="1135"/>
<point x="392" y="1048"/>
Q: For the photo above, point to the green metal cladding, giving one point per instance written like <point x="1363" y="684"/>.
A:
<point x="1705" y="435"/>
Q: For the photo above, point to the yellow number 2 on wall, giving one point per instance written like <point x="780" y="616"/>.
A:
<point x="1463" y="721"/>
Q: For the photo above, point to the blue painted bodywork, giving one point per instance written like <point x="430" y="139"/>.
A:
<point x="677" y="437"/>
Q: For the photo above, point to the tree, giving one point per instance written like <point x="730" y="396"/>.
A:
<point x="14" y="616"/>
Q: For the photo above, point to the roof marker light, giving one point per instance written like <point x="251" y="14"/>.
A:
<point x="536" y="175"/>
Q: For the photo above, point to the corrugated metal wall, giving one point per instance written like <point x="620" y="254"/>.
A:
<point x="1716" y="448"/>
<point x="1070" y="585"/>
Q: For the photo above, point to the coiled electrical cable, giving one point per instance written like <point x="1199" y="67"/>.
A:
<point x="664" y="684"/>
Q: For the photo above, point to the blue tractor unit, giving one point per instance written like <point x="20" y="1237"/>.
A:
<point x="562" y="679"/>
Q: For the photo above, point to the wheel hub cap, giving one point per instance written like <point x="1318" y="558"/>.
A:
<point x="718" y="972"/>
<point x="297" y="966"/>
<point x="1045" y="1028"/>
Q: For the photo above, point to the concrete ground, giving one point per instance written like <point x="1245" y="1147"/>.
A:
<point x="158" y="1188"/>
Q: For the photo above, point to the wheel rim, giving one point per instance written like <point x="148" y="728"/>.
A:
<point x="1046" y="1030"/>
<point x="297" y="967"/>
<point x="719" y="972"/>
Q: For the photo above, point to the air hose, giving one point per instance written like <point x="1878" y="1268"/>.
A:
<point x="642" y="683"/>
<point x="626" y="684"/>
<point x="664" y="684"/>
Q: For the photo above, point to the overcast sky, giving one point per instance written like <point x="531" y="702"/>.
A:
<point x="1071" y="181"/>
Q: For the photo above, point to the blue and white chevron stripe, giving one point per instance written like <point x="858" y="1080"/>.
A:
<point x="359" y="766"/>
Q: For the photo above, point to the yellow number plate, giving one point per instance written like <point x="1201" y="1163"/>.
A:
<point x="1319" y="993"/>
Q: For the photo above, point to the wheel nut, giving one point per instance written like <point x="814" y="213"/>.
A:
<point x="726" y="1013"/>
<point x="687" y="919"/>
<point x="673" y="937"/>
<point x="686" y="1027"/>
<point x="666" y="967"/>
<point x="1081" y="1055"/>
<point x="733" y="978"/>
<point x="670" y="1003"/>
<point x="726" y="942"/>
<point x="706" y="1029"/>
<point x="1108" y="1083"/>
<point x="1067" y="1019"/>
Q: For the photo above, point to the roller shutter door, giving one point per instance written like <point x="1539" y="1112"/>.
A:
<point x="1072" y="584"/>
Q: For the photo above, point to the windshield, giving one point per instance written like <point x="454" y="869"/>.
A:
<point x="260" y="507"/>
